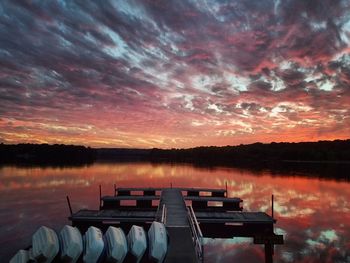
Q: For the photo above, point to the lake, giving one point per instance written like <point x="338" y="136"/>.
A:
<point x="313" y="214"/>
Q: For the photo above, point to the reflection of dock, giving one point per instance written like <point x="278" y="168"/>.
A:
<point x="210" y="214"/>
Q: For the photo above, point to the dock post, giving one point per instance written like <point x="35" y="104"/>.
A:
<point x="70" y="208"/>
<point x="100" y="195"/>
<point x="272" y="206"/>
<point x="115" y="190"/>
<point x="226" y="189"/>
<point x="268" y="253"/>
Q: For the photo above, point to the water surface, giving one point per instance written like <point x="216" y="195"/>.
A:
<point x="313" y="214"/>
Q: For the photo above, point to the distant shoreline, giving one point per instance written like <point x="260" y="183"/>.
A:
<point x="46" y="155"/>
<point x="329" y="159"/>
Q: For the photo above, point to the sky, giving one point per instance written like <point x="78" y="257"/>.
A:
<point x="177" y="74"/>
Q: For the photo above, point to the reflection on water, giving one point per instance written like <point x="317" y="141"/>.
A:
<point x="314" y="215"/>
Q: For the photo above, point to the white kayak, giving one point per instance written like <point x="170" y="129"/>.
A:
<point x="137" y="242"/>
<point x="93" y="245"/>
<point x="71" y="243"/>
<point x="158" y="242"/>
<point x="22" y="256"/>
<point x="116" y="244"/>
<point x="45" y="245"/>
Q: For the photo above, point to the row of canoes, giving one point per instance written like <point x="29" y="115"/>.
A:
<point x="94" y="247"/>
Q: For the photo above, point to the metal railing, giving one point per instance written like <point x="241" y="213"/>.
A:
<point x="163" y="218"/>
<point x="197" y="235"/>
<point x="161" y="214"/>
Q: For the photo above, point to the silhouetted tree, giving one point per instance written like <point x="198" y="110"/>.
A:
<point x="45" y="154"/>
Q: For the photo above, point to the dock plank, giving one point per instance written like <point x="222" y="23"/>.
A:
<point x="214" y="190"/>
<point x="181" y="247"/>
<point x="234" y="217"/>
<point x="130" y="197"/>
<point x="116" y="215"/>
<point x="176" y="207"/>
<point x="214" y="199"/>
<point x="139" y="189"/>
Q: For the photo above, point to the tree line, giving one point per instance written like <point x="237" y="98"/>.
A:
<point x="321" y="151"/>
<point x="323" y="159"/>
<point x="45" y="154"/>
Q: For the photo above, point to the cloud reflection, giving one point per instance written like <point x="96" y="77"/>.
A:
<point x="312" y="214"/>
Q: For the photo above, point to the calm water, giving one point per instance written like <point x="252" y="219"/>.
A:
<point x="313" y="214"/>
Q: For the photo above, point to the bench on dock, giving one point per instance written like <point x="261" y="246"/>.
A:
<point x="201" y="198"/>
<point x="140" y="201"/>
<point x="204" y="191"/>
<point x="221" y="203"/>
<point x="149" y="191"/>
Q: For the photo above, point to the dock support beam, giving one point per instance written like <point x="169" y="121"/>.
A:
<point x="100" y="196"/>
<point x="272" y="206"/>
<point x="268" y="253"/>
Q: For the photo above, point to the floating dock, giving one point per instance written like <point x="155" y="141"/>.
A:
<point x="189" y="214"/>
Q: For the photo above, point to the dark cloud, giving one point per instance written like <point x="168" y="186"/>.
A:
<point x="292" y="78"/>
<point x="260" y="85"/>
<point x="250" y="106"/>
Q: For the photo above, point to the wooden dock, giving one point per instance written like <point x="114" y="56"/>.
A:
<point x="186" y="225"/>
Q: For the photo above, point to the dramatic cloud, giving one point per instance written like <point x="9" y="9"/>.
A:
<point x="174" y="74"/>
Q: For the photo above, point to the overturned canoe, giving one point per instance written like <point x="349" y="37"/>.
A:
<point x="93" y="245"/>
<point x="158" y="242"/>
<point x="116" y="245"/>
<point x="137" y="242"/>
<point x="45" y="245"/>
<point x="22" y="256"/>
<point x="71" y="243"/>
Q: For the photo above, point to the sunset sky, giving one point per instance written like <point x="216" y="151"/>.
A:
<point x="179" y="73"/>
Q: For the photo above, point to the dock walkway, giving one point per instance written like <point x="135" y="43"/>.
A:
<point x="181" y="247"/>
